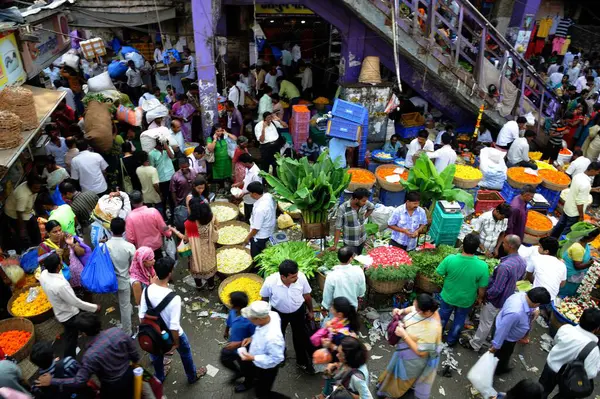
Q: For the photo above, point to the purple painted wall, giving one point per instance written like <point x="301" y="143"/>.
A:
<point x="521" y="9"/>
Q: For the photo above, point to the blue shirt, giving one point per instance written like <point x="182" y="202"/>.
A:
<point x="513" y="321"/>
<point x="392" y="149"/>
<point x="163" y="164"/>
<point x="239" y="327"/>
<point x="401" y="218"/>
<point x="337" y="150"/>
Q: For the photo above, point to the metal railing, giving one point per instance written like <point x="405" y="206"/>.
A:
<point x="458" y="36"/>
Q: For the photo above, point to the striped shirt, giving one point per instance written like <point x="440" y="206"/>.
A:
<point x="352" y="223"/>
<point x="503" y="282"/>
<point x="489" y="229"/>
<point x="562" y="30"/>
<point x="83" y="203"/>
<point x="67" y="368"/>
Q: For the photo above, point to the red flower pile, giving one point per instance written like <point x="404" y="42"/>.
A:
<point x="389" y="256"/>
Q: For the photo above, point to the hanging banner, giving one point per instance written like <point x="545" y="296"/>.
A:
<point x="11" y="66"/>
<point x="282" y="9"/>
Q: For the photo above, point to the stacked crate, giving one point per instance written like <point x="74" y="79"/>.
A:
<point x="445" y="227"/>
<point x="300" y="125"/>
<point x="350" y="122"/>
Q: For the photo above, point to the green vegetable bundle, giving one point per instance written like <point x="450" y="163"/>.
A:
<point x="427" y="261"/>
<point x="314" y="189"/>
<point x="391" y="273"/>
<point x="269" y="260"/>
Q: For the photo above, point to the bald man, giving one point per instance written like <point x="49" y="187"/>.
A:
<point x="177" y="141"/>
<point x="502" y="285"/>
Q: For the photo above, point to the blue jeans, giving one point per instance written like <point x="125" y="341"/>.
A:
<point x="185" y="352"/>
<point x="460" y="315"/>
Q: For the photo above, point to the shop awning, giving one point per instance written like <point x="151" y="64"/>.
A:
<point x="45" y="104"/>
<point x="93" y="19"/>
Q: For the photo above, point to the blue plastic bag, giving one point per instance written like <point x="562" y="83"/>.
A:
<point x="57" y="197"/>
<point x="167" y="54"/>
<point x="29" y="260"/>
<point x="128" y="49"/>
<point x="117" y="69"/>
<point x="98" y="275"/>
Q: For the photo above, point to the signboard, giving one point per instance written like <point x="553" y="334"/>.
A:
<point x="11" y="66"/>
<point x="282" y="9"/>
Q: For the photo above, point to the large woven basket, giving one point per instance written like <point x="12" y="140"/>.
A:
<point x="244" y="270"/>
<point x="538" y="233"/>
<point x="530" y="239"/>
<point x="424" y="284"/>
<point x="10" y="130"/>
<point x="386" y="287"/>
<point x="370" y="71"/>
<point x="229" y="279"/>
<point x="517" y="184"/>
<point x="553" y="186"/>
<point x="464" y="183"/>
<point x="20" y="324"/>
<point x="227" y="205"/>
<point x="19" y="100"/>
<point x="321" y="280"/>
<point x="48" y="330"/>
<point x="233" y="223"/>
<point x="39" y="318"/>
<point x="386" y="185"/>
<point x="352" y="187"/>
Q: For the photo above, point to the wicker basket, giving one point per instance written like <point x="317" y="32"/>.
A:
<point x="370" y="71"/>
<point x="315" y="230"/>
<point x="19" y="100"/>
<point x="352" y="187"/>
<point x="283" y="206"/>
<point x="386" y="185"/>
<point x="531" y="240"/>
<point x="516" y="184"/>
<point x="48" y="330"/>
<point x="424" y="284"/>
<point x="39" y="318"/>
<point x="227" y="205"/>
<point x="464" y="183"/>
<point x="553" y="186"/>
<point x="20" y="324"/>
<point x="244" y="270"/>
<point x="229" y="279"/>
<point x="321" y="280"/>
<point x="386" y="287"/>
<point x="234" y="223"/>
<point x="10" y="130"/>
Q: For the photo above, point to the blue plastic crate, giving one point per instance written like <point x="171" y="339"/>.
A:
<point x="408" y="132"/>
<point x="389" y="198"/>
<point x="353" y="112"/>
<point x="508" y="192"/>
<point x="550" y="195"/>
<point x="343" y="129"/>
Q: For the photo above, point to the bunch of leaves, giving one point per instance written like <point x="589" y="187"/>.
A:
<point x="434" y="186"/>
<point x="299" y="251"/>
<point x="578" y="231"/>
<point x="391" y="273"/>
<point x="491" y="262"/>
<point x="329" y="259"/>
<point x="314" y="189"/>
<point x="99" y="98"/>
<point x="427" y="261"/>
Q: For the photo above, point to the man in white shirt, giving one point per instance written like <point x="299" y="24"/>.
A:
<point x="155" y="293"/>
<point x="286" y="57"/>
<point x="444" y="156"/>
<point x="289" y="294"/>
<point x="296" y="53"/>
<point x="252" y="175"/>
<point x="577" y="199"/>
<point x="265" y="104"/>
<point x="556" y="77"/>
<point x="267" y="135"/>
<point x="579" y="164"/>
<point x="262" y="220"/>
<point x="344" y="280"/>
<point x="69" y="97"/>
<point x="233" y="93"/>
<point x="197" y="161"/>
<point x="271" y="80"/>
<point x="190" y="68"/>
<point x="546" y="270"/>
<point x="260" y="365"/>
<point x="307" y="80"/>
<point x="419" y="103"/>
<point x="177" y="141"/>
<point x="510" y="132"/>
<point x="553" y="68"/>
<point x="573" y="72"/>
<point x="518" y="153"/>
<point x="569" y="342"/>
<point x="158" y="53"/>
<point x="438" y="139"/>
<point x="244" y="90"/>
<point x="89" y="168"/>
<point x="65" y="304"/>
<point x="421" y="143"/>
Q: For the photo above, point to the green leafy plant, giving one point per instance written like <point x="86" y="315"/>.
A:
<point x="311" y="188"/>
<point x="391" y="273"/>
<point x="434" y="186"/>
<point x="427" y="261"/>
<point x="299" y="251"/>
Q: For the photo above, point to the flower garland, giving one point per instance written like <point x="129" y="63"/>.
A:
<point x="590" y="279"/>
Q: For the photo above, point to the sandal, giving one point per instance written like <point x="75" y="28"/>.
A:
<point x="200" y="372"/>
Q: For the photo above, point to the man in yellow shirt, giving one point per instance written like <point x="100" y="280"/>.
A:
<point x="23" y="230"/>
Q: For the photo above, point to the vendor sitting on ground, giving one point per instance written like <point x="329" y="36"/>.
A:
<point x="393" y="146"/>
<point x="310" y="150"/>
<point x="518" y="154"/>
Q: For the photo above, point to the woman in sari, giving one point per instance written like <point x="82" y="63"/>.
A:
<point x="198" y="191"/>
<point x="576" y="254"/>
<point x="71" y="250"/>
<point x="53" y="173"/>
<point x="184" y="111"/>
<point x="414" y="363"/>
<point x="351" y="373"/>
<point x="141" y="271"/>
<point x="201" y="234"/>
<point x="239" y="170"/>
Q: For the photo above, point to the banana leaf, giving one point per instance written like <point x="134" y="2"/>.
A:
<point x="578" y="231"/>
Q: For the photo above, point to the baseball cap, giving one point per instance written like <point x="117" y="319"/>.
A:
<point x="256" y="310"/>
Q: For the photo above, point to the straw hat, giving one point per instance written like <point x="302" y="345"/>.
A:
<point x="370" y="72"/>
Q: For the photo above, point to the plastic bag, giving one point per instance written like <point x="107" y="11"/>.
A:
<point x="100" y="83"/>
<point x="138" y="59"/>
<point x="117" y="69"/>
<point x="169" y="247"/>
<point x="380" y="216"/>
<point x="284" y="221"/>
<point x="481" y="375"/>
<point x="98" y="275"/>
<point x="184" y="249"/>
<point x="231" y="146"/>
<point x="57" y="197"/>
<point x="14" y="273"/>
<point x="98" y="233"/>
<point x="130" y="116"/>
<point x="33" y="293"/>
<point x="29" y="260"/>
<point x="71" y="60"/>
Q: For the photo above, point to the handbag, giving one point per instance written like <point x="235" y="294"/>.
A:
<point x="127" y="185"/>
<point x="184" y="249"/>
<point x="209" y="156"/>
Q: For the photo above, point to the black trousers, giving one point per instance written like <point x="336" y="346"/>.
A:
<point x="231" y="360"/>
<point x="397" y="245"/>
<point x="262" y="379"/>
<point x="121" y="388"/>
<point x="526" y="164"/>
<point x="551" y="151"/>
<point x="267" y="157"/>
<point x="300" y="338"/>
<point x="165" y="192"/>
<point x="358" y="249"/>
<point x="248" y="211"/>
<point x="257" y="245"/>
<point x="503" y="354"/>
<point x="70" y="337"/>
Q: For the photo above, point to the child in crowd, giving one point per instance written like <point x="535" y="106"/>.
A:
<point x="237" y="329"/>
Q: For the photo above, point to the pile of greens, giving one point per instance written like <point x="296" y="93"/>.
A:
<point x="427" y="261"/>
<point x="391" y="273"/>
<point x="491" y="262"/>
<point x="269" y="260"/>
<point x="314" y="189"/>
<point x="434" y="186"/>
<point x="329" y="259"/>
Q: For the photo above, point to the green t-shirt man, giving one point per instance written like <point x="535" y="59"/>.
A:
<point x="65" y="216"/>
<point x="464" y="275"/>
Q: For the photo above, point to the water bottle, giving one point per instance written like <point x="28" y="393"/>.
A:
<point x="164" y="335"/>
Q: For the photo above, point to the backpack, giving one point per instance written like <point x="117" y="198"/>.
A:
<point x="151" y="327"/>
<point x="573" y="380"/>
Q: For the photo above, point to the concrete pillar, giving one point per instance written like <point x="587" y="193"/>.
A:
<point x="501" y="14"/>
<point x="520" y="10"/>
<point x="205" y="13"/>
<point x="353" y="48"/>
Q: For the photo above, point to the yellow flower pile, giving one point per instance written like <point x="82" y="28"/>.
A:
<point x="467" y="172"/>
<point x="244" y="284"/>
<point x="233" y="260"/>
<point x="39" y="305"/>
<point x="535" y="156"/>
<point x="544" y="165"/>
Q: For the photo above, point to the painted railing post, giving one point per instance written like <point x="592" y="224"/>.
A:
<point x="459" y="35"/>
<point x="431" y="17"/>
<point x="481" y="56"/>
